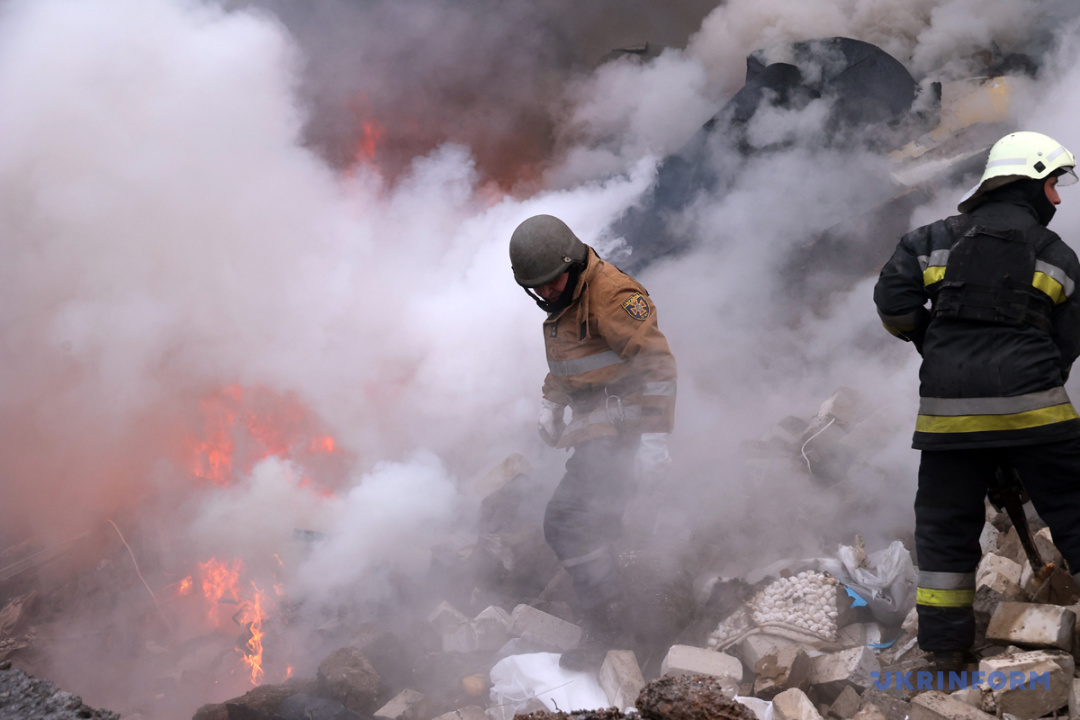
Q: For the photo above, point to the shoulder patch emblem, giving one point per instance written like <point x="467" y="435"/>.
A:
<point x="637" y="307"/>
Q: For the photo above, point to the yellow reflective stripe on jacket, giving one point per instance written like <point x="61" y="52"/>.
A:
<point x="944" y="598"/>
<point x="932" y="275"/>
<point x="985" y="423"/>
<point x="1060" y="286"/>
<point x="1050" y="286"/>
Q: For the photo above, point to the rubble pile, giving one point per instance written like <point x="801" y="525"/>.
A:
<point x="24" y="696"/>
<point x="479" y="638"/>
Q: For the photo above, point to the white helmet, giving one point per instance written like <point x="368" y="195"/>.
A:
<point x="1021" y="155"/>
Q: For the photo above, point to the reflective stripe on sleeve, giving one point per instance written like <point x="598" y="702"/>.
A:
<point x="665" y="389"/>
<point x="933" y="266"/>
<point x="1053" y="281"/>
<point x="584" y="364"/>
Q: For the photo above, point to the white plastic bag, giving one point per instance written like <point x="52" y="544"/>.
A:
<point x="517" y="679"/>
<point x="886" y="580"/>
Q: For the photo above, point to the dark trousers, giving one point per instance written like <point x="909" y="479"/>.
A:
<point x="584" y="516"/>
<point x="950" y="513"/>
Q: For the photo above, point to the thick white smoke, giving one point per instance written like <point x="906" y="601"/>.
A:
<point x="165" y="234"/>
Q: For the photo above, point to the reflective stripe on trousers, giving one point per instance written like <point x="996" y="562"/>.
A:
<point x="945" y="589"/>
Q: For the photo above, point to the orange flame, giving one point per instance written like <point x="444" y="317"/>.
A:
<point x="253" y="615"/>
<point x="371" y="134"/>
<point x="219" y="584"/>
<point x="185" y="586"/>
<point x="243" y="426"/>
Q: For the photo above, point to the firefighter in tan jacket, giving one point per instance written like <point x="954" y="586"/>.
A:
<point x="611" y="366"/>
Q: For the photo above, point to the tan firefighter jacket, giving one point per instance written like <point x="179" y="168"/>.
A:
<point x="608" y="360"/>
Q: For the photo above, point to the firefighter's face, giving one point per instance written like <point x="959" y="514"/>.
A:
<point x="1051" y="190"/>
<point x="550" y="291"/>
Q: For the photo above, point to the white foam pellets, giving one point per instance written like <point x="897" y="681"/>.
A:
<point x="805" y="603"/>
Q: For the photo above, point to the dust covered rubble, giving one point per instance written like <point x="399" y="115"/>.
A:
<point x="24" y="696"/>
<point x="802" y="639"/>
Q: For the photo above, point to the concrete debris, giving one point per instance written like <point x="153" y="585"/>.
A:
<point x="446" y="618"/>
<point x="686" y="660"/>
<point x="621" y="679"/>
<point x="936" y="705"/>
<point x="1027" y="684"/>
<point x="847" y="704"/>
<point x="346" y="676"/>
<point x="1032" y="626"/>
<point x="892" y="707"/>
<point x="780" y="670"/>
<point x="550" y="630"/>
<point x="998" y="565"/>
<point x="833" y="672"/>
<point x="406" y="705"/>
<point x="470" y="712"/>
<point x="869" y="711"/>
<point x="754" y="647"/>
<point x="793" y="704"/>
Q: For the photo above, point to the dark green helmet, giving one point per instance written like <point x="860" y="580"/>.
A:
<point x="541" y="249"/>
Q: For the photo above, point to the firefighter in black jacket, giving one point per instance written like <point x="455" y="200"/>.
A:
<point x="997" y="342"/>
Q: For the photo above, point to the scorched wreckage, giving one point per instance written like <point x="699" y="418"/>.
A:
<point x="359" y="548"/>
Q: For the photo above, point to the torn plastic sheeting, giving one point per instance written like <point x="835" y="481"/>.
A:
<point x="856" y="598"/>
<point x="517" y="679"/>
<point x="886" y="580"/>
<point x="762" y="709"/>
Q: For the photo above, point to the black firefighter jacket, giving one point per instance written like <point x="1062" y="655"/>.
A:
<point x="985" y="384"/>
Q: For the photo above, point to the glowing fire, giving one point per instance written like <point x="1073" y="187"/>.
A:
<point x="220" y="586"/>
<point x="371" y="134"/>
<point x="242" y="426"/>
<point x="223" y="588"/>
<point x="252" y="615"/>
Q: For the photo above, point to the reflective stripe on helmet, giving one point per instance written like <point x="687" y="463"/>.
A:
<point x="1007" y="161"/>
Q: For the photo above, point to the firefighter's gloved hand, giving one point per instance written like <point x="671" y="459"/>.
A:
<point x="551" y="421"/>
<point x="653" y="459"/>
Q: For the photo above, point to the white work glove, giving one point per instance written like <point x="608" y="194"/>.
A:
<point x="551" y="421"/>
<point x="652" y="459"/>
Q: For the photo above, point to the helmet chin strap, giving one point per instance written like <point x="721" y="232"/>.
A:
<point x="565" y="297"/>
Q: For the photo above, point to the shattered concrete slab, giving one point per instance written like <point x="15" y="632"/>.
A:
<point x="621" y="679"/>
<point x="1027" y="684"/>
<point x="1031" y="625"/>
<point x="936" y="705"/>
